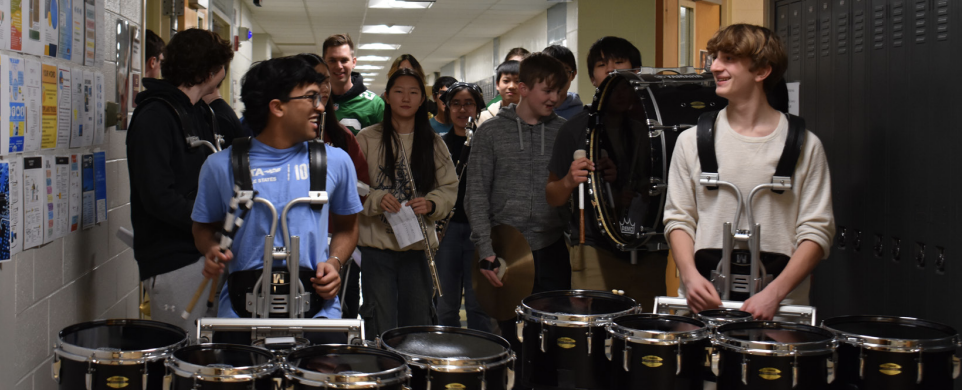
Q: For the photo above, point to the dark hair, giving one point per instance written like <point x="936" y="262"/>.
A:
<point x="192" y="55"/>
<point x="331" y="125"/>
<point x="473" y="88"/>
<point x="409" y="58"/>
<point x="422" y="149"/>
<point x="442" y="82"/>
<point x="759" y="44"/>
<point x="540" y="67"/>
<point x="518" y="51"/>
<point x="153" y="45"/>
<point x="507" y="67"/>
<point x="337" y="40"/>
<point x="562" y="54"/>
<point x="612" y="48"/>
<point x="269" y="80"/>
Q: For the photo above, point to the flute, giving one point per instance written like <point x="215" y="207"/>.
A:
<point x="428" y="252"/>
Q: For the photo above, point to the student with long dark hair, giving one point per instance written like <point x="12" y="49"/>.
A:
<point x="396" y="280"/>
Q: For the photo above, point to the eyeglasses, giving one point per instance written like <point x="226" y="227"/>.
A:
<point x="457" y="105"/>
<point x="316" y="97"/>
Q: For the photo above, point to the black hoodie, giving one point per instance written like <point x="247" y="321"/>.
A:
<point x="163" y="178"/>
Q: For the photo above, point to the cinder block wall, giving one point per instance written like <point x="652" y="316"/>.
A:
<point x="86" y="275"/>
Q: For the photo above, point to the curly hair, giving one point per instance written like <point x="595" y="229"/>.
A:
<point x="273" y="79"/>
<point x="758" y="44"/>
<point x="193" y="55"/>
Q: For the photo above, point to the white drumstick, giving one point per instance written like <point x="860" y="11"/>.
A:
<point x="579" y="154"/>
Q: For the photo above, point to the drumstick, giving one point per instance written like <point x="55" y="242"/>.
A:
<point x="193" y="301"/>
<point x="213" y="293"/>
<point x="579" y="154"/>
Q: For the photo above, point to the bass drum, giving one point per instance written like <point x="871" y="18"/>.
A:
<point x="634" y="123"/>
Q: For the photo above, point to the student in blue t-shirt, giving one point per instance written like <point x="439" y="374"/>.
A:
<point x="284" y="99"/>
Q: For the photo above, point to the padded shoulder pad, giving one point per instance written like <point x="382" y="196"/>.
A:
<point x="317" y="156"/>
<point x="706" y="142"/>
<point x="240" y="163"/>
<point x="793" y="147"/>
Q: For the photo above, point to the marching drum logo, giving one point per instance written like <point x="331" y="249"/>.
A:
<point x="117" y="382"/>
<point x="652" y="361"/>
<point x="770" y="373"/>
<point x="566" y="342"/>
<point x="890" y="369"/>
<point x="455" y="386"/>
<point x="627" y="227"/>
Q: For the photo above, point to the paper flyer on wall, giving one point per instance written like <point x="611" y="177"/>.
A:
<point x="17" y="105"/>
<point x="16" y="25"/>
<point x="78" y="32"/>
<point x="90" y="32"/>
<point x="4" y="104"/>
<point x="65" y="47"/>
<point x="50" y="20"/>
<point x="75" y="192"/>
<point x="5" y="232"/>
<point x="99" y="95"/>
<point x="33" y="27"/>
<point x="16" y="203"/>
<point x="76" y="109"/>
<point x="100" y="185"/>
<point x="34" y="191"/>
<point x="88" y="109"/>
<point x="32" y="96"/>
<point x="64" y="102"/>
<point x="49" y="192"/>
<point x="48" y="107"/>
<point x="61" y="201"/>
<point x="88" y="201"/>
<point x="5" y="25"/>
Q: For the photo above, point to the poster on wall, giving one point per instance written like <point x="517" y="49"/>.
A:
<point x="50" y="20"/>
<point x="4" y="104"/>
<point x="32" y="97"/>
<point x="77" y="47"/>
<point x="5" y="24"/>
<point x="16" y="203"/>
<point x="61" y="212"/>
<point x="90" y="32"/>
<point x="5" y="232"/>
<point x="76" y="109"/>
<point x="75" y="192"/>
<point x="50" y="191"/>
<point x="18" y="105"/>
<point x="34" y="189"/>
<point x="16" y="25"/>
<point x="65" y="47"/>
<point x="88" y="109"/>
<point x="33" y="26"/>
<point x="87" y="189"/>
<point x="98" y="128"/>
<point x="48" y="107"/>
<point x="64" y="101"/>
<point x="100" y="185"/>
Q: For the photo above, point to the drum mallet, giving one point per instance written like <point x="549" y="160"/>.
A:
<point x="579" y="154"/>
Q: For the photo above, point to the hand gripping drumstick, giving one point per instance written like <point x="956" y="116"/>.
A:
<point x="580" y="153"/>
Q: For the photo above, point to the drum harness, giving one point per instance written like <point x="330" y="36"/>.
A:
<point x="190" y="136"/>
<point x="722" y="277"/>
<point x="273" y="293"/>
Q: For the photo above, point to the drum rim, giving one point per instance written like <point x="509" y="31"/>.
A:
<point x="526" y="312"/>
<point x="396" y="375"/>
<point x="657" y="337"/>
<point x="715" y="322"/>
<point x="893" y="344"/>
<point x="449" y="364"/>
<point x="133" y="357"/>
<point x="185" y="369"/>
<point x="769" y="348"/>
<point x="299" y="343"/>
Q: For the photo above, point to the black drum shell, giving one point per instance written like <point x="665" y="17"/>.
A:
<point x="73" y="373"/>
<point x="297" y="354"/>
<point x="265" y="383"/>
<point x="495" y="376"/>
<point x="812" y="371"/>
<point x="560" y="367"/>
<point x="204" y="351"/>
<point x="664" y="377"/>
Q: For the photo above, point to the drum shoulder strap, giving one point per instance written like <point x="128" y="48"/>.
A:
<point x="179" y="114"/>
<point x="240" y="163"/>
<point x="317" y="156"/>
<point x="793" y="148"/>
<point x="706" y="143"/>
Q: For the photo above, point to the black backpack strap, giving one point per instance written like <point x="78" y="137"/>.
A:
<point x="179" y="114"/>
<point x="317" y="157"/>
<point x="706" y="149"/>
<point x="240" y="163"/>
<point x="791" y="152"/>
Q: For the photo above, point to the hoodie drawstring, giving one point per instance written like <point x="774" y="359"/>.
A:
<point x="520" y="137"/>
<point x="542" y="138"/>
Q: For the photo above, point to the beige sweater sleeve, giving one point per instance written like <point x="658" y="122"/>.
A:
<point x="445" y="194"/>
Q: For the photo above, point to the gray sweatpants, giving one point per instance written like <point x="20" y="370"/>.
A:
<point x="170" y="294"/>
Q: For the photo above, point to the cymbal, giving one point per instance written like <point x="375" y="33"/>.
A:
<point x="500" y="302"/>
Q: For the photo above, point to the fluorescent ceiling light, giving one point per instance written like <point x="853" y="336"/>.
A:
<point x="400" y="4"/>
<point x="386" y="29"/>
<point x="369" y="74"/>
<point x="373" y="58"/>
<point x="379" y="46"/>
<point x="368" y="67"/>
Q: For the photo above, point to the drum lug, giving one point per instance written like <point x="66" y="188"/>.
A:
<point x="541" y="338"/>
<point x="89" y="377"/>
<point x="626" y="357"/>
<point x="715" y="362"/>
<point x="168" y="380"/>
<point x="519" y="326"/>
<point x="795" y="372"/>
<point x="861" y="363"/>
<point x="55" y="368"/>
<point x="956" y="365"/>
<point x="484" y="383"/>
<point x="919" y="379"/>
<point x="745" y="370"/>
<point x="609" y="341"/>
<point x="678" y="360"/>
<point x="830" y="367"/>
<point x="588" y="334"/>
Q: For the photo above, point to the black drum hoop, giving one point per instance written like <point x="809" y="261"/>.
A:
<point x="528" y="313"/>
<point x="453" y="364"/>
<point x="770" y="348"/>
<point x="398" y="375"/>
<point x="77" y="353"/>
<point x="948" y="343"/>
<point x="657" y="337"/>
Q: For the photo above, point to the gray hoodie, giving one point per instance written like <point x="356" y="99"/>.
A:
<point x="506" y="184"/>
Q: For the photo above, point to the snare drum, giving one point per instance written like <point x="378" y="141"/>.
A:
<point x="658" y="352"/>
<point x="882" y="352"/>
<point x="773" y="356"/>
<point x="111" y="354"/>
<point x="442" y="357"/>
<point x="563" y="337"/>
<point x="281" y="347"/>
<point x="635" y="121"/>
<point x="717" y="317"/>
<point x="220" y="367"/>
<point x="346" y="367"/>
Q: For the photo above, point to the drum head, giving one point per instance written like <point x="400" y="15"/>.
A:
<point x="344" y="359"/>
<point x="892" y="328"/>
<point x="659" y="323"/>
<point x="123" y="335"/>
<point x="578" y="302"/>
<point x="440" y="342"/>
<point x="724" y="316"/>
<point x="224" y="356"/>
<point x="775" y="337"/>
<point x="631" y="150"/>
